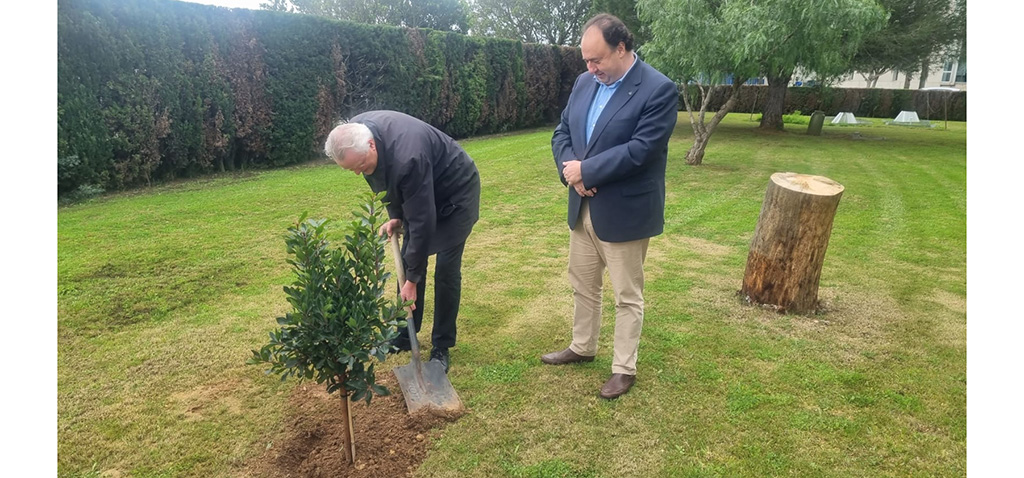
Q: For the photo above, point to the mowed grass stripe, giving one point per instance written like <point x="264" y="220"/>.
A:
<point x="162" y="292"/>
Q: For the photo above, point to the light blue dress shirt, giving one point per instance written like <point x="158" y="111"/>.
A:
<point x="604" y="93"/>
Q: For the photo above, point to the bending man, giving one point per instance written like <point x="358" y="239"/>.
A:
<point x="433" y="191"/>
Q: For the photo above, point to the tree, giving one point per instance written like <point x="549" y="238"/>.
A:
<point x="813" y="35"/>
<point x="340" y="319"/>
<point x="556" y="22"/>
<point x="957" y="47"/>
<point x="703" y="43"/>
<point x="916" y="29"/>
<point x="446" y="15"/>
<point x="699" y="43"/>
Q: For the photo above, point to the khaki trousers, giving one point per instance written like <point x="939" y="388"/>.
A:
<point x="588" y="257"/>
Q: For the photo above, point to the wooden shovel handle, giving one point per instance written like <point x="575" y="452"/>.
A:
<point x="397" y="252"/>
<point x="400" y="272"/>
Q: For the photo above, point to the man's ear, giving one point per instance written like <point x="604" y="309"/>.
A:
<point x="373" y="145"/>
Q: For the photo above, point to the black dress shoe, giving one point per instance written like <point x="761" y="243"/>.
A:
<point x="440" y="355"/>
<point x="619" y="384"/>
<point x="563" y="357"/>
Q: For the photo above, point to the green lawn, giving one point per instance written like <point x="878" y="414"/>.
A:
<point x="163" y="292"/>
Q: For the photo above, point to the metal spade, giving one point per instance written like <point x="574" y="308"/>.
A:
<point x="424" y="385"/>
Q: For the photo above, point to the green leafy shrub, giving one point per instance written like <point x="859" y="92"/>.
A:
<point x="866" y="102"/>
<point x="68" y="168"/>
<point x="796" y="118"/>
<point x="340" y="319"/>
<point x="151" y="90"/>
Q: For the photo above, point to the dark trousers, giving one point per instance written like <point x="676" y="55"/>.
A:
<point x="447" y="295"/>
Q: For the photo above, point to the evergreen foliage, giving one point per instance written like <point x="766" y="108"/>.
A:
<point x="152" y="90"/>
<point x="916" y="32"/>
<point x="555" y="22"/>
<point x="436" y="14"/>
<point x="340" y="318"/>
<point x="866" y="102"/>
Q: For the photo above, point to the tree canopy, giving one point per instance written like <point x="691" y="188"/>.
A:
<point x="711" y="39"/>
<point x="915" y="31"/>
<point x="695" y="41"/>
<point x="447" y="15"/>
<point x="556" y="22"/>
<point x="708" y="40"/>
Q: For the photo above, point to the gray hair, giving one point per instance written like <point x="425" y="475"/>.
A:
<point x="346" y="136"/>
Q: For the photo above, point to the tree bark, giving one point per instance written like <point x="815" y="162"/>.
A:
<point x="695" y="155"/>
<point x="925" y="65"/>
<point x="788" y="249"/>
<point x="702" y="132"/>
<point x="775" y="104"/>
<point x="870" y="78"/>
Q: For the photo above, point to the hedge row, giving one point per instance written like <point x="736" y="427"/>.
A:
<point x="155" y="89"/>
<point x="866" y="102"/>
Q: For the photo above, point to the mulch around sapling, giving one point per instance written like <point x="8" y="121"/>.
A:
<point x="389" y="441"/>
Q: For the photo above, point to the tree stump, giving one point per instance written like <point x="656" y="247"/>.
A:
<point x="789" y="243"/>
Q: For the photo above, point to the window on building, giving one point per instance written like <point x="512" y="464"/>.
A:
<point x="961" y="72"/>
<point x="948" y="68"/>
<point x="895" y="75"/>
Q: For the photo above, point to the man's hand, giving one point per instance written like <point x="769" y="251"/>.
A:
<point x="584" y="192"/>
<point x="572" y="171"/>
<point x="409" y="293"/>
<point x="389" y="227"/>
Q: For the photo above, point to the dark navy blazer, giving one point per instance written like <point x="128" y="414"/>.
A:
<point x="627" y="154"/>
<point x="432" y="185"/>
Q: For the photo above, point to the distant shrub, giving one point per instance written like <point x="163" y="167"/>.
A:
<point x="862" y="102"/>
<point x="795" y="118"/>
<point x="81" y="193"/>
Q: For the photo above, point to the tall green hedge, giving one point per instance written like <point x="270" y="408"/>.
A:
<point x="151" y="90"/>
<point x="868" y="102"/>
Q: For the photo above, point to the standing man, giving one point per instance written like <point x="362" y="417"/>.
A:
<point x="610" y="149"/>
<point x="433" y="193"/>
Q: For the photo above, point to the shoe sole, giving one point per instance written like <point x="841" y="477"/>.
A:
<point x="566" y="362"/>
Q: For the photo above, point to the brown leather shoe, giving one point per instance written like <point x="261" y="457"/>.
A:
<point x="563" y="357"/>
<point x="619" y="384"/>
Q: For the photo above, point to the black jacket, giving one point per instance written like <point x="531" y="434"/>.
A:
<point x="431" y="184"/>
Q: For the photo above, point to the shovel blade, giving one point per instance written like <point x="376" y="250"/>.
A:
<point x="427" y="389"/>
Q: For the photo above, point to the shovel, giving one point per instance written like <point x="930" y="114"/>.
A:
<point x="424" y="385"/>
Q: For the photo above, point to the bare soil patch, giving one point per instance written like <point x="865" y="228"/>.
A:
<point x="389" y="442"/>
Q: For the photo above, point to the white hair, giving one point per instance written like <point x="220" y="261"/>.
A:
<point x="346" y="136"/>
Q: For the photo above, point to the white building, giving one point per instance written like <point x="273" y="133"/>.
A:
<point x="951" y="73"/>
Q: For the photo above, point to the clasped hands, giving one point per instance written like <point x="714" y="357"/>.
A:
<point x="408" y="291"/>
<point x="572" y="171"/>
